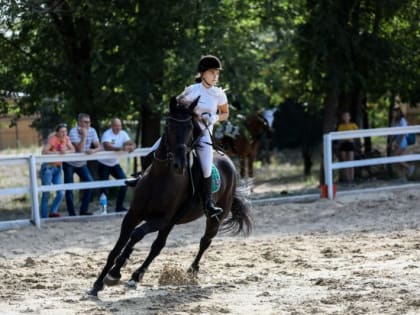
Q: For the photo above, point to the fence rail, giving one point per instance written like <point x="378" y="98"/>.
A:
<point x="33" y="162"/>
<point x="330" y="165"/>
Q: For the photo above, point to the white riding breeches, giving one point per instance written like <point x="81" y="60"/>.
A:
<point x="205" y="153"/>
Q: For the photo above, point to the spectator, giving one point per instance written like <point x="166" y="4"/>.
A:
<point x="85" y="140"/>
<point x="58" y="143"/>
<point x="347" y="147"/>
<point x="115" y="139"/>
<point x="266" y="137"/>
<point x="398" y="143"/>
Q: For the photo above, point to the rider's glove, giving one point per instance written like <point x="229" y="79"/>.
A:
<point x="213" y="119"/>
<point x="205" y="117"/>
<point x="209" y="119"/>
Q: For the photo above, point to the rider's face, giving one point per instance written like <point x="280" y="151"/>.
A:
<point x="211" y="76"/>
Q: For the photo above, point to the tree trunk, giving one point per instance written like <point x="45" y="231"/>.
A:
<point x="330" y="108"/>
<point x="307" y="159"/>
<point x="150" y="121"/>
<point x="76" y="39"/>
<point x="366" y="125"/>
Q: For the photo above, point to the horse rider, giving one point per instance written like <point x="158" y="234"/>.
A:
<point x="212" y="107"/>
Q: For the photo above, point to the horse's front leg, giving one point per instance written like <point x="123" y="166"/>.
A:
<point x="127" y="226"/>
<point x="137" y="235"/>
<point x="212" y="226"/>
<point x="155" y="250"/>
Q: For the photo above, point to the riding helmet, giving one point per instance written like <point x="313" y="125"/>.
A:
<point x="208" y="62"/>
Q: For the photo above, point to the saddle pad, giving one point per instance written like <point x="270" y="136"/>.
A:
<point x="215" y="179"/>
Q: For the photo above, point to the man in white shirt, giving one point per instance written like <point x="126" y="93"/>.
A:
<point x="85" y="140"/>
<point x="115" y="139"/>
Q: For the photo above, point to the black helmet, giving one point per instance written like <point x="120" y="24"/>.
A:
<point x="208" y="62"/>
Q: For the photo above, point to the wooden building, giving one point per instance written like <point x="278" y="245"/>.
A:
<point x="19" y="133"/>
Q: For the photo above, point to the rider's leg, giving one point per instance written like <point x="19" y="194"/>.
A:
<point x="205" y="155"/>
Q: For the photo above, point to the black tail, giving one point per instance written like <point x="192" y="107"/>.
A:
<point x="240" y="219"/>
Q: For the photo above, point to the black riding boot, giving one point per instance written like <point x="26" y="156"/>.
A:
<point x="210" y="209"/>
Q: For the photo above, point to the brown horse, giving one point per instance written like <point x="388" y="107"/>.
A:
<point x="245" y="145"/>
<point x="166" y="196"/>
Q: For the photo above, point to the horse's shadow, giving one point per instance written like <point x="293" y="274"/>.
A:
<point x="162" y="298"/>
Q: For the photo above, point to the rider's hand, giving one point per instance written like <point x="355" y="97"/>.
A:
<point x="213" y="119"/>
<point x="205" y="117"/>
<point x="209" y="119"/>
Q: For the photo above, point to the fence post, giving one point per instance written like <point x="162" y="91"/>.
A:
<point x="34" y="191"/>
<point x="327" y="145"/>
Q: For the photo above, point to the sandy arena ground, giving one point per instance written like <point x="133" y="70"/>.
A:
<point x="352" y="255"/>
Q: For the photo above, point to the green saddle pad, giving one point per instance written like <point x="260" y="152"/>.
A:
<point x="215" y="179"/>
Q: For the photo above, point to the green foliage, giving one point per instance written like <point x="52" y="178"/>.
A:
<point x="127" y="58"/>
<point x="365" y="48"/>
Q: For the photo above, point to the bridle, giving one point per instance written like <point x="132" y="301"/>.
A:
<point x="188" y="148"/>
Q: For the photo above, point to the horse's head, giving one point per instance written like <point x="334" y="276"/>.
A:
<point x="258" y="126"/>
<point x="180" y="130"/>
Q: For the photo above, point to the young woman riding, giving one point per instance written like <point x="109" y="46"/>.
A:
<point x="212" y="107"/>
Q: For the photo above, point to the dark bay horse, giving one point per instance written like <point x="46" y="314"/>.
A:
<point x="166" y="196"/>
<point x="245" y="145"/>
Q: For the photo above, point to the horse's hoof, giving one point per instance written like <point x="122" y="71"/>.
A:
<point x="92" y="292"/>
<point x="193" y="271"/>
<point x="139" y="276"/>
<point x="132" y="284"/>
<point x="110" y="280"/>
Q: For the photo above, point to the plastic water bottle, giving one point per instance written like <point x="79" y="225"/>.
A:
<point x="103" y="202"/>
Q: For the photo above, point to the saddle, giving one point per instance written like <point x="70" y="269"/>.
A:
<point x="227" y="129"/>
<point x="196" y="174"/>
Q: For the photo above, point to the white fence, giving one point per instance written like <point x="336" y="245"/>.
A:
<point x="33" y="162"/>
<point x="330" y="165"/>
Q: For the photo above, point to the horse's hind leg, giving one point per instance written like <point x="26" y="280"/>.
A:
<point x="136" y="236"/>
<point x="127" y="226"/>
<point x="250" y="179"/>
<point x="211" y="230"/>
<point x="250" y="161"/>
<point x="242" y="166"/>
<point x="155" y="250"/>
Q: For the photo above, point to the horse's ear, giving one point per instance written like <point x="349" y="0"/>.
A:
<point x="194" y="103"/>
<point x="173" y="103"/>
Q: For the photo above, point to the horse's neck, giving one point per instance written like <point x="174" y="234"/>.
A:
<point x="161" y="154"/>
<point x="255" y="126"/>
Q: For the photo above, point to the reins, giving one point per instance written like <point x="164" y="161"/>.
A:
<point x="215" y="146"/>
<point x="190" y="148"/>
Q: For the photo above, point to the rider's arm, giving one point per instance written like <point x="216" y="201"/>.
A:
<point x="223" y="112"/>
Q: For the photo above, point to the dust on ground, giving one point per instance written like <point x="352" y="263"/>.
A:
<point x="351" y="255"/>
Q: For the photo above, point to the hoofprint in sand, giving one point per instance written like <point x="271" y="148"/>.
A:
<point x="352" y="255"/>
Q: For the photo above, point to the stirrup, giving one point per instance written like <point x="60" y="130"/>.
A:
<point x="132" y="182"/>
<point x="213" y="212"/>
